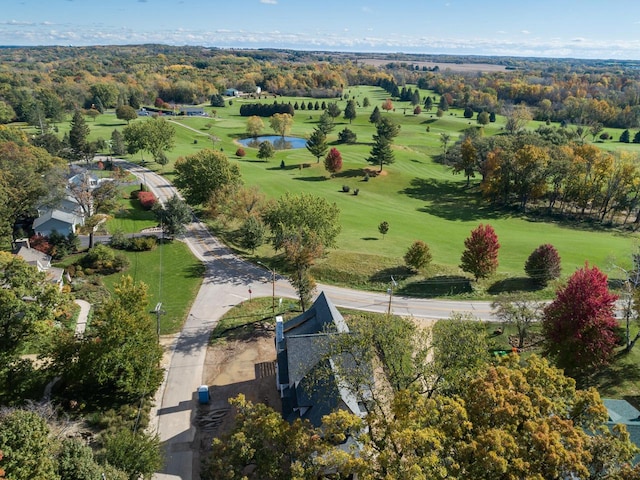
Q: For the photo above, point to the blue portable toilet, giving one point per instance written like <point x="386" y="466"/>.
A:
<point x="203" y="394"/>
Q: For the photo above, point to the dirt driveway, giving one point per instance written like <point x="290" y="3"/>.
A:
<point x="244" y="364"/>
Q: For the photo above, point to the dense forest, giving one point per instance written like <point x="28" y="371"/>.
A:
<point x="39" y="84"/>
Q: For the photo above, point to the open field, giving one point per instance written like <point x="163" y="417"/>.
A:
<point x="173" y="275"/>
<point x="419" y="198"/>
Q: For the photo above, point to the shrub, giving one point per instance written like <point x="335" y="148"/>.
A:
<point x="356" y="191"/>
<point x="102" y="259"/>
<point x="143" y="244"/>
<point x="366" y="177"/>
<point x="240" y="152"/>
<point x="119" y="240"/>
<point x="346" y="188"/>
<point x="543" y="265"/>
<point x="147" y="200"/>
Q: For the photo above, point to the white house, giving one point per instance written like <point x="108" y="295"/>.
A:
<point x="40" y="260"/>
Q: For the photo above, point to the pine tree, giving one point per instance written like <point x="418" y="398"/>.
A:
<point x="350" y="111"/>
<point x="317" y="144"/>
<point x="381" y="152"/>
<point x="78" y="136"/>
<point x="375" y="115"/>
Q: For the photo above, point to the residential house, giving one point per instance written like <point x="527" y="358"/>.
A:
<point x="622" y="412"/>
<point x="302" y="346"/>
<point x="231" y="92"/>
<point x="62" y="222"/>
<point x="40" y="260"/>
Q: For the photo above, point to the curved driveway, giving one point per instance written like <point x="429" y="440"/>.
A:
<point x="227" y="282"/>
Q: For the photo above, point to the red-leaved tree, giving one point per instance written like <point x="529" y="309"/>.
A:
<point x="543" y="265"/>
<point x="147" y="200"/>
<point x="333" y="161"/>
<point x="387" y="105"/>
<point x="579" y="325"/>
<point x="480" y="257"/>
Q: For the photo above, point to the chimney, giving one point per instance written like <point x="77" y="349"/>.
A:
<point x="279" y="332"/>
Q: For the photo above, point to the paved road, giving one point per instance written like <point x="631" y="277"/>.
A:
<point x="226" y="283"/>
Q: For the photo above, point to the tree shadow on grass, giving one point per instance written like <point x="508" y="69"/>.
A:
<point x="514" y="284"/>
<point x="449" y="200"/>
<point x="370" y="238"/>
<point x="195" y="271"/>
<point x="621" y="371"/>
<point x="438" y="286"/>
<point x="351" y="173"/>
<point x="318" y="178"/>
<point x="384" y="275"/>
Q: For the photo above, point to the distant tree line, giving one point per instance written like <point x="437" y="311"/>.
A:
<point x="266" y="110"/>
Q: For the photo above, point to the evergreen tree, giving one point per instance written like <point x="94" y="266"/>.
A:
<point x="415" y="97"/>
<point x="428" y="103"/>
<point x="118" y="147"/>
<point x="625" y="136"/>
<point x="79" y="136"/>
<point x="636" y="137"/>
<point x="443" y="105"/>
<point x="326" y="123"/>
<point x="317" y="144"/>
<point x="381" y="152"/>
<point x="350" y="111"/>
<point x="375" y="115"/>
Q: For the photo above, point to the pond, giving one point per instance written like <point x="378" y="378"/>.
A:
<point x="279" y="143"/>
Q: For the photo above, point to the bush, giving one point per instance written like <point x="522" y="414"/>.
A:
<point x="240" y="152"/>
<point x="120" y="241"/>
<point x="346" y="188"/>
<point x="143" y="244"/>
<point x="356" y="191"/>
<point x="102" y="259"/>
<point x="366" y="177"/>
<point x="147" y="200"/>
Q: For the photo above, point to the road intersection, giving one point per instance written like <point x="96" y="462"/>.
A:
<point x="226" y="283"/>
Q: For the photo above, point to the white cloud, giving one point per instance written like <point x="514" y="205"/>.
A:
<point x="526" y="32"/>
<point x="269" y="2"/>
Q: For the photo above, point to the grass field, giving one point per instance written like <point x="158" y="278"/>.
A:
<point x="173" y="275"/>
<point x="130" y="217"/>
<point x="419" y="198"/>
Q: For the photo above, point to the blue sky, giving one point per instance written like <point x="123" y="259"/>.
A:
<point x="546" y="28"/>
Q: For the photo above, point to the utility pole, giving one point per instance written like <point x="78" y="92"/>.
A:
<point x="390" y="292"/>
<point x="158" y="311"/>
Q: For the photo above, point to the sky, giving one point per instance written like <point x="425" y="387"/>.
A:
<point x="542" y="28"/>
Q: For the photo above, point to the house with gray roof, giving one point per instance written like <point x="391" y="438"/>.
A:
<point x="302" y="347"/>
<point x="62" y="222"/>
<point x="40" y="260"/>
<point x="622" y="412"/>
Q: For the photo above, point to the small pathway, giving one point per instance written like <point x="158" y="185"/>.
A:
<point x="81" y="324"/>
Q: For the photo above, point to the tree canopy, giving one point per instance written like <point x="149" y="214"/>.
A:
<point x="304" y="213"/>
<point x="579" y="325"/>
<point x="202" y="174"/>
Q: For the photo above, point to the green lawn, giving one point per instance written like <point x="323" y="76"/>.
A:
<point x="130" y="217"/>
<point x="420" y="199"/>
<point x="173" y="275"/>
